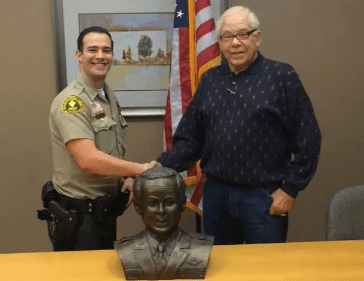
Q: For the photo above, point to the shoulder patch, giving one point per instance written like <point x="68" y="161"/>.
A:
<point x="72" y="104"/>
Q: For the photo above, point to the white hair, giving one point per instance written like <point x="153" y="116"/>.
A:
<point x="252" y="18"/>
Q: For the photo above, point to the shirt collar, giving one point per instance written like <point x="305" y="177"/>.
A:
<point x="102" y="94"/>
<point x="168" y="245"/>
<point x="91" y="91"/>
<point x="253" y="68"/>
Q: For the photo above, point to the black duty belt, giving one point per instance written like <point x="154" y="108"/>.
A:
<point x="83" y="205"/>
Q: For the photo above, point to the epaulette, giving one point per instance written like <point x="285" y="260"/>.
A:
<point x="123" y="240"/>
<point x="201" y="236"/>
<point x="77" y="88"/>
<point x="73" y="89"/>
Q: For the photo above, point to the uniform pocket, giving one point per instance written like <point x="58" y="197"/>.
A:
<point x="105" y="138"/>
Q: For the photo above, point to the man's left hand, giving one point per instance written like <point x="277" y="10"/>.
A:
<point x="282" y="203"/>
<point x="128" y="185"/>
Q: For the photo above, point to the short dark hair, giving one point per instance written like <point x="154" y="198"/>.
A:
<point x="90" y="29"/>
<point x="157" y="173"/>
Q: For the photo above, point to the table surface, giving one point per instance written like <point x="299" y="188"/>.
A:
<point x="339" y="260"/>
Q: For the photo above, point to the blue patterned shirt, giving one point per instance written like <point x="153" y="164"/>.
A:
<point x="251" y="128"/>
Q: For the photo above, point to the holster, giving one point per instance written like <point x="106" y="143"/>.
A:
<point x="49" y="194"/>
<point x="53" y="210"/>
<point x="60" y="213"/>
<point x="61" y="223"/>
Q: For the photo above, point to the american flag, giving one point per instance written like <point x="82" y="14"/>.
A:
<point x="194" y="51"/>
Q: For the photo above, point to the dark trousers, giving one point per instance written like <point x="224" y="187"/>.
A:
<point x="89" y="233"/>
<point x="239" y="214"/>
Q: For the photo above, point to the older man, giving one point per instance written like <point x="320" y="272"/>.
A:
<point x="254" y="128"/>
<point x="162" y="250"/>
<point x="88" y="143"/>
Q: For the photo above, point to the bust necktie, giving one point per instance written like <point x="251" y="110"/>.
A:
<point x="160" y="262"/>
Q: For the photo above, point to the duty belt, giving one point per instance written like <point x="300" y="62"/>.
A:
<point x="83" y="205"/>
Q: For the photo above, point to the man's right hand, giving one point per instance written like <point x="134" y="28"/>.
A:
<point x="155" y="164"/>
<point x="152" y="164"/>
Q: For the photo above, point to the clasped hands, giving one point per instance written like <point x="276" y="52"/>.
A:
<point x="154" y="164"/>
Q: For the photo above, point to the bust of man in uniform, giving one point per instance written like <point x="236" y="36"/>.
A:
<point x="162" y="250"/>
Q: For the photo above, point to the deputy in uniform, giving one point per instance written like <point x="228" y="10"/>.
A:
<point x="163" y="250"/>
<point x="87" y="191"/>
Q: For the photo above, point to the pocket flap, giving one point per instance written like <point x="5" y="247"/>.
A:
<point x="104" y="123"/>
<point x="123" y="121"/>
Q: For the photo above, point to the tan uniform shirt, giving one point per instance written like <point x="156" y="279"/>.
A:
<point x="79" y="112"/>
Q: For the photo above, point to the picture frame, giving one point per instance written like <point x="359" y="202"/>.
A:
<point x="126" y="20"/>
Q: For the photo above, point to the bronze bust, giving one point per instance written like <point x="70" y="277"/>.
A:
<point x="162" y="250"/>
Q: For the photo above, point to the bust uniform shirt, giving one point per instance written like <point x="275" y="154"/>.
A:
<point x="189" y="256"/>
<point x="108" y="132"/>
<point x="245" y="126"/>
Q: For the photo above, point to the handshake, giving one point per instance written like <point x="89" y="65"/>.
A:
<point x="145" y="166"/>
<point x="154" y="164"/>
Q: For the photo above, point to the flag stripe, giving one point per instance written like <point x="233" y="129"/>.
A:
<point x="206" y="28"/>
<point x="196" y="196"/>
<point x="205" y="42"/>
<point x="168" y="124"/>
<point x="192" y="59"/>
<point x="185" y="70"/>
<point x="202" y="4"/>
<point x="175" y="85"/>
<point x="203" y="16"/>
<point x="204" y="61"/>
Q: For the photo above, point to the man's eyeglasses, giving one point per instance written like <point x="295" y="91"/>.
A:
<point x="240" y="36"/>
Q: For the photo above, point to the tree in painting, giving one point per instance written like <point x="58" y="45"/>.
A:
<point x="145" y="47"/>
